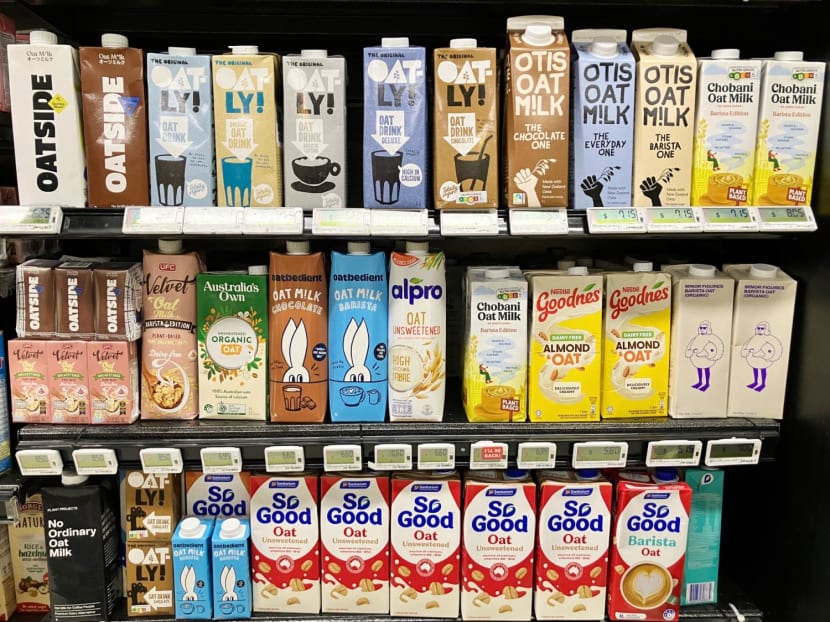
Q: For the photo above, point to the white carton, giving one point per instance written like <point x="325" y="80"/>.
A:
<point x="218" y="496"/>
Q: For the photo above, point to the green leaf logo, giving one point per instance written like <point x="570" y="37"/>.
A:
<point x="657" y="285"/>
<point x="589" y="287"/>
<point x="415" y="280"/>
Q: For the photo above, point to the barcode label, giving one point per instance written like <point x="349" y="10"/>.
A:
<point x="402" y="408"/>
<point x="700" y="592"/>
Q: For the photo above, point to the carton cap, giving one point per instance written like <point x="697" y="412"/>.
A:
<point x="604" y="47"/>
<point x="726" y="54"/>
<point x="588" y="262"/>
<point x="578" y="271"/>
<point x="191" y="527"/>
<point x="497" y="273"/>
<point x="518" y="23"/>
<point x="394" y="42"/>
<point x="112" y="40"/>
<point x="701" y="269"/>
<point x="297" y="247"/>
<point x="314" y="53"/>
<point x="177" y="51"/>
<point x="664" y="45"/>
<point x="70" y="478"/>
<point x="462" y="44"/>
<point x="587" y="474"/>
<point x="763" y="271"/>
<point x="416" y="248"/>
<point x="587" y="35"/>
<point x="789" y="55"/>
<point x="231" y="528"/>
<point x="565" y="264"/>
<point x="42" y="37"/>
<point x="257" y="270"/>
<point x="538" y="35"/>
<point x="170" y="247"/>
<point x="666" y="475"/>
<point x="244" y="49"/>
<point x="358" y="248"/>
<point x="643" y="266"/>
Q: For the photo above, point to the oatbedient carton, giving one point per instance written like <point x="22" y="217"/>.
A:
<point x="285" y="543"/>
<point x="115" y="123"/>
<point x="180" y="110"/>
<point x="150" y="578"/>
<point x="29" y="381"/>
<point x="151" y="505"/>
<point x="219" y="496"/>
<point x="28" y="546"/>
<point x="231" y="564"/>
<point x="44" y="81"/>
<point x="118" y="292"/>
<point x="466" y="126"/>
<point x="68" y="382"/>
<point x="700" y="575"/>
<point x="248" y="152"/>
<point x="537" y="117"/>
<point x="36" y="300"/>
<point x="112" y="374"/>
<point x="192" y="576"/>
<point x="315" y="129"/>
<point x="76" y="300"/>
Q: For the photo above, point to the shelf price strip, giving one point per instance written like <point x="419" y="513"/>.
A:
<point x="36" y="462"/>
<point x="727" y="219"/>
<point x="673" y="453"/>
<point x="21" y="220"/>
<point x="284" y="459"/>
<point x="436" y="456"/>
<point x="152" y="220"/>
<point x="342" y="458"/>
<point x="732" y="451"/>
<point x="786" y="218"/>
<point x="95" y="461"/>
<point x="392" y="457"/>
<point x="538" y="221"/>
<point x="488" y="455"/>
<point x="161" y="460"/>
<point x="217" y="460"/>
<point x="599" y="455"/>
<point x="469" y="222"/>
<point x="616" y="220"/>
<point x="536" y="455"/>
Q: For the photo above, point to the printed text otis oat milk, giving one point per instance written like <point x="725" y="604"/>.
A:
<point x="354" y="539"/>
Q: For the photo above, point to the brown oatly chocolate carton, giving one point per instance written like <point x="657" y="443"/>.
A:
<point x="76" y="300"/>
<point x="118" y="300"/>
<point x="115" y="123"/>
<point x="36" y="304"/>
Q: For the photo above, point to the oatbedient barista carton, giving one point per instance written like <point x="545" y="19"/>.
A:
<point x="76" y="300"/>
<point x="118" y="297"/>
<point x="36" y="301"/>
<point x="192" y="576"/>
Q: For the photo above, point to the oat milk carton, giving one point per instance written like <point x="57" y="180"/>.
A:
<point x="466" y="126"/>
<point x="664" y="121"/>
<point x="565" y="353"/>
<point x="701" y="332"/>
<point x="75" y="291"/>
<point x="8" y="602"/>
<point x="219" y="496"/>
<point x="118" y="292"/>
<point x="426" y="545"/>
<point x="354" y="537"/>
<point x="498" y="545"/>
<point x="725" y="128"/>
<point x="29" y="381"/>
<point x="285" y="543"/>
<point x="192" y="577"/>
<point x="150" y="578"/>
<point x="68" y="382"/>
<point x="395" y="127"/>
<point x="315" y="129"/>
<point x="29" y="560"/>
<point x="572" y="545"/>
<point x="231" y="563"/>
<point x="700" y="575"/>
<point x="248" y="151"/>
<point x="112" y="368"/>
<point x="636" y="330"/>
<point x="495" y="355"/>
<point x="761" y="333"/>
<point x="45" y="85"/>
<point x="152" y="503"/>
<point x="36" y="298"/>
<point x="648" y="546"/>
<point x="791" y="95"/>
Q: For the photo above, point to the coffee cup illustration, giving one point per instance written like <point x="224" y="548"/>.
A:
<point x="170" y="179"/>
<point x="313" y="172"/>
<point x="646" y="586"/>
<point x="352" y="395"/>
<point x="292" y="395"/>
<point x="236" y="176"/>
<point x="386" y="176"/>
<point x="472" y="168"/>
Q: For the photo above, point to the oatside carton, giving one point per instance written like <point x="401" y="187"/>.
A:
<point x="193" y="588"/>
<point x="36" y="298"/>
<point x="231" y="565"/>
<point x="395" y="125"/>
<point x="315" y="129"/>
<point x="150" y="579"/>
<point x="700" y="576"/>
<point x="45" y="85"/>
<point x="151" y="505"/>
<point x="219" y="496"/>
<point x="180" y="108"/>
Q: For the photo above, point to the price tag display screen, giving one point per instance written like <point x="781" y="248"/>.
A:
<point x="673" y="452"/>
<point x="433" y="454"/>
<point x="390" y="455"/>
<point x="731" y="450"/>
<point x="616" y="216"/>
<point x="282" y="457"/>
<point x="673" y="215"/>
<point x="341" y="457"/>
<point x="598" y="453"/>
<point x="728" y="214"/>
<point x="157" y="460"/>
<point x="34" y="461"/>
<point x="783" y="214"/>
<point x="218" y="459"/>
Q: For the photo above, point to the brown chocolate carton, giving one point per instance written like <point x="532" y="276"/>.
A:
<point x="118" y="300"/>
<point x="36" y="303"/>
<point x="76" y="300"/>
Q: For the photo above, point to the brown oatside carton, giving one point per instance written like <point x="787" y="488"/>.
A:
<point x="76" y="300"/>
<point x="36" y="304"/>
<point x="118" y="300"/>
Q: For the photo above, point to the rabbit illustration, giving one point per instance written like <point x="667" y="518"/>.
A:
<point x="294" y="344"/>
<point x="356" y="347"/>
<point x="228" y="580"/>
<point x="188" y="581"/>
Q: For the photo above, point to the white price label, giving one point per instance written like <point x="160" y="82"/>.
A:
<point x="410" y="222"/>
<point x="340" y="221"/>
<point x="783" y="218"/>
<point x="161" y="460"/>
<point x="342" y="458"/>
<point x="599" y="455"/>
<point x="37" y="462"/>
<point x="673" y="453"/>
<point x="488" y="455"/>
<point x="152" y="220"/>
<point x="616" y="220"/>
<point x="436" y="456"/>
<point x="217" y="460"/>
<point x="732" y="451"/>
<point x="469" y="222"/>
<point x="728" y="219"/>
<point x="21" y="220"/>
<point x="392" y="457"/>
<point x="213" y="220"/>
<point x="273" y="220"/>
<point x="284" y="459"/>
<point x="95" y="461"/>
<point x="673" y="219"/>
<point x="538" y="221"/>
<point x="536" y="455"/>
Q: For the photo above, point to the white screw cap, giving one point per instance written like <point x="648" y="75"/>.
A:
<point x="297" y="247"/>
<point x="643" y="266"/>
<point x="463" y="44"/>
<point x="42" y="37"/>
<point x="726" y="54"/>
<point x="177" y="51"/>
<point x="789" y="55"/>
<point x="191" y="527"/>
<point x="496" y="273"/>
<point x="394" y="42"/>
<point x="417" y="248"/>
<point x="112" y="40"/>
<point x="314" y="53"/>
<point x="244" y="49"/>
<point x="604" y="47"/>
<point x="231" y="528"/>
<point x="257" y="270"/>
<point x="664" y="46"/>
<point x="538" y="35"/>
<point x="170" y="247"/>
<point x="578" y="271"/>
<point x="763" y="271"/>
<point x="701" y="270"/>
<point x="565" y="264"/>
<point x="358" y="248"/>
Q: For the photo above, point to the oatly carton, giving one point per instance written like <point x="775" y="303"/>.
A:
<point x="219" y="496"/>
<point x="151" y="505"/>
<point x="45" y="85"/>
<point x="150" y="578"/>
<point x="648" y="546"/>
<point x="426" y="545"/>
<point x="315" y="129"/>
<point x="395" y="127"/>
<point x="572" y="545"/>
<point x="180" y="110"/>
<point x="29" y="381"/>
<point x="192" y="577"/>
<point x="466" y="141"/>
<point x="354" y="543"/>
<point x="68" y="382"/>
<point x="285" y="543"/>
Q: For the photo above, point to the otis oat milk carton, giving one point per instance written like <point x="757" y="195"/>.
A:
<point x="285" y="543"/>
<point x="354" y="539"/>
<point x="572" y="545"/>
<point x="44" y="82"/>
<point x="648" y="546"/>
<point x="426" y="541"/>
<point x="217" y="496"/>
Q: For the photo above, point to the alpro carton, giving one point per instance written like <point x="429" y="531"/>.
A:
<point x="426" y="545"/>
<point x="761" y="340"/>
<point x="45" y="85"/>
<point x="285" y="543"/>
<point x="29" y="381"/>
<point x="219" y="496"/>
<point x="791" y="95"/>
<point x="180" y="110"/>
<point x="565" y="349"/>
<point x="466" y="126"/>
<point x="28" y="546"/>
<point x="636" y="331"/>
<point x="112" y="375"/>
<point x="150" y="578"/>
<point x="701" y="330"/>
<point x="498" y="538"/>
<point x="315" y="129"/>
<point x="700" y="576"/>
<point x="7" y="591"/>
<point x="725" y="127"/>
<point x="68" y="382"/>
<point x="395" y="124"/>
<point x="354" y="543"/>
<point x="572" y="545"/>
<point x="151" y="505"/>
<point x="664" y="122"/>
<point x="231" y="565"/>
<point x="192" y="577"/>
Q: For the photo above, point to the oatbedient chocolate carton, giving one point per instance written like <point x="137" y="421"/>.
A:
<point x="76" y="300"/>
<point x="118" y="300"/>
<point x="36" y="301"/>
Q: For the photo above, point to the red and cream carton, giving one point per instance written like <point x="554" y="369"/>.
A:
<point x="499" y="535"/>
<point x="426" y="545"/>
<point x="572" y="545"/>
<point x="29" y="381"/>
<point x="354" y="543"/>
<point x="68" y="385"/>
<point x="648" y="549"/>
<point x="285" y="543"/>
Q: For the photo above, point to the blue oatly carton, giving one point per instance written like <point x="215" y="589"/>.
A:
<point x="395" y="125"/>
<point x="179" y="105"/>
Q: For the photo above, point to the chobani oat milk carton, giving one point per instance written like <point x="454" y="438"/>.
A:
<point x="354" y="543"/>
<point x="426" y="541"/>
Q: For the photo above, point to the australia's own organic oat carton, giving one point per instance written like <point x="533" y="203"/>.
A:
<point x="192" y="577"/>
<point x="231" y="563"/>
<point x="29" y="381"/>
<point x="151" y="505"/>
<point x="112" y="372"/>
<point x="150" y="578"/>
<point x="700" y="576"/>
<point x="219" y="495"/>
<point x="28" y="545"/>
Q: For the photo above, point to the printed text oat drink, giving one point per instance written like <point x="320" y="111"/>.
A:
<point x="700" y="575"/>
<point x="151" y="505"/>
<point x="315" y="129"/>
<point x="45" y="85"/>
<point x="248" y="152"/>
<point x="285" y="544"/>
<point x="565" y="349"/>
<point x="426" y="541"/>
<point x="217" y="496"/>
<point x="150" y="578"/>
<point x="36" y="300"/>
<point x="29" y="381"/>
<point x="648" y="546"/>
<point x="537" y="134"/>
<point x="466" y="141"/>
<point x="636" y="329"/>
<point x="395" y="128"/>
<point x="572" y="545"/>
<point x="192" y="576"/>
<point x="498" y="544"/>
<point x="68" y="382"/>
<point x="725" y="127"/>
<point x="112" y="372"/>
<point x="115" y="123"/>
<point x="791" y="95"/>
<point x="701" y="332"/>
<point x="354" y="543"/>
<point x="417" y="334"/>
<point x="118" y="295"/>
<point x="28" y="546"/>
<point x="761" y="333"/>
<point x="75" y="291"/>
<point x="664" y="122"/>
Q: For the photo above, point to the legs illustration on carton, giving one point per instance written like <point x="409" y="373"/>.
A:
<point x="704" y="350"/>
<point x="760" y="352"/>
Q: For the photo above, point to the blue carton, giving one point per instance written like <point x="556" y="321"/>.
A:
<point x="395" y="126"/>
<point x="231" y="569"/>
<point x="700" y="576"/>
<point x="191" y="569"/>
